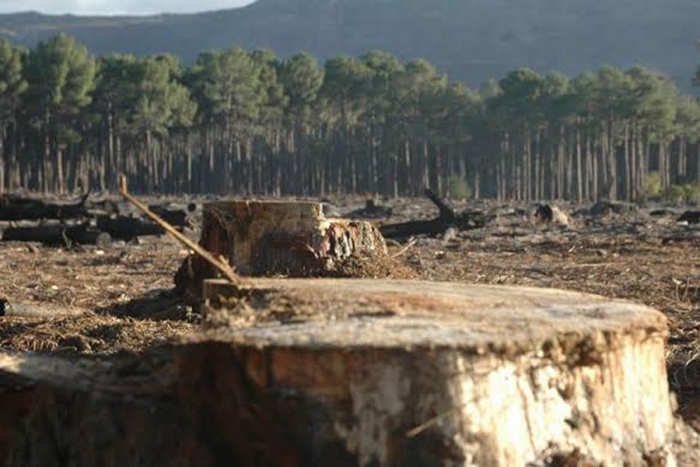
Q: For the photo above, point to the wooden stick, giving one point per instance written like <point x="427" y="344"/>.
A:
<point x="27" y="310"/>
<point x="404" y="250"/>
<point x="221" y="266"/>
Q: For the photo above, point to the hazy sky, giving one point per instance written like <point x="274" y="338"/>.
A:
<point x="132" y="7"/>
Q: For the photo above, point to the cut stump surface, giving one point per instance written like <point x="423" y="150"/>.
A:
<point x="366" y="373"/>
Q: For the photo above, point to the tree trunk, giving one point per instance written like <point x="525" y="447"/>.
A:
<point x="628" y="163"/>
<point x="3" y="160"/>
<point x="610" y="163"/>
<point x="60" y="180"/>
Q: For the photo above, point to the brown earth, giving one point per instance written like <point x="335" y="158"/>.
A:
<point x="124" y="292"/>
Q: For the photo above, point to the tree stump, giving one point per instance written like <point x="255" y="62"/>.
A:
<point x="272" y="237"/>
<point x="550" y="214"/>
<point x="407" y="373"/>
<point x="361" y="373"/>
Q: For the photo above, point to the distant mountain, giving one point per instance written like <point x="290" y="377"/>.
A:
<point x="470" y="39"/>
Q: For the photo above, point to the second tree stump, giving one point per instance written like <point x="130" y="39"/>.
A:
<point x="271" y="237"/>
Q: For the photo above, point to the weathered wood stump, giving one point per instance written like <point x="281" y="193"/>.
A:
<point x="360" y="373"/>
<point x="270" y="237"/>
<point x="550" y="214"/>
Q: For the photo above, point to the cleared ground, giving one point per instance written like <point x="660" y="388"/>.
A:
<point x="124" y="291"/>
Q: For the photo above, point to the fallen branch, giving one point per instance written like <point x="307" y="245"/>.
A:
<point x="406" y="248"/>
<point x="25" y="310"/>
<point x="588" y="265"/>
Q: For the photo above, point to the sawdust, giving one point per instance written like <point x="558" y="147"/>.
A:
<point x="377" y="266"/>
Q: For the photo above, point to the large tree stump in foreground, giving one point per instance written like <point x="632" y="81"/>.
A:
<point x="274" y="237"/>
<point x="408" y="373"/>
<point x="362" y="373"/>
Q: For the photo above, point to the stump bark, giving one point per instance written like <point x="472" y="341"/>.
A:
<point x="361" y="373"/>
<point x="272" y="238"/>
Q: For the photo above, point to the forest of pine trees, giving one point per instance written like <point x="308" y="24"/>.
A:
<point x="238" y="122"/>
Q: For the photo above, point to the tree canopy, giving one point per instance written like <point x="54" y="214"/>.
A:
<point x="247" y="122"/>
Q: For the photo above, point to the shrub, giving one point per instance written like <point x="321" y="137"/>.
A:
<point x="458" y="187"/>
<point x="693" y="192"/>
<point x="683" y="194"/>
<point x="651" y="188"/>
<point x="676" y="194"/>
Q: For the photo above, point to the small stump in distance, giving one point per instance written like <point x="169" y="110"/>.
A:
<point x="278" y="238"/>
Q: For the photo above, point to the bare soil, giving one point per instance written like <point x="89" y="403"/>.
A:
<point x="124" y="292"/>
<point x="121" y="298"/>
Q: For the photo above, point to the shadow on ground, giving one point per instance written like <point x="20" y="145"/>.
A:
<point x="158" y="305"/>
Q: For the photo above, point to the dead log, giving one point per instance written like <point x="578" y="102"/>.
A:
<point x="174" y="217"/>
<point x="15" y="208"/>
<point x="267" y="238"/>
<point x="448" y="218"/>
<point x="447" y="214"/>
<point x="55" y="235"/>
<point x="663" y="212"/>
<point x="128" y="228"/>
<point x="102" y="207"/>
<point x="371" y="211"/>
<point x="395" y="373"/>
<point x="431" y="227"/>
<point x="607" y="208"/>
<point x="691" y="217"/>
